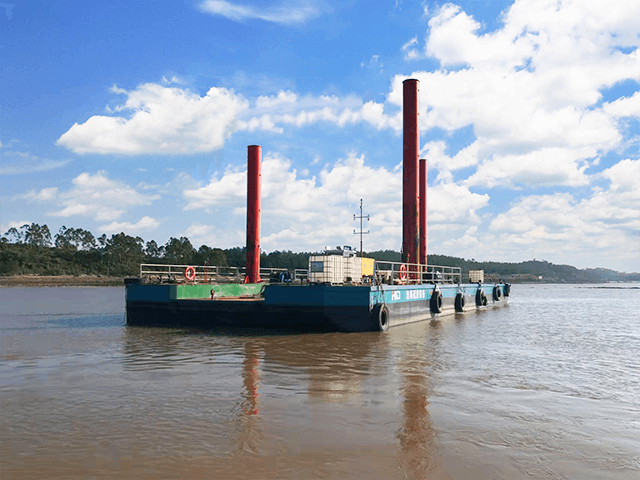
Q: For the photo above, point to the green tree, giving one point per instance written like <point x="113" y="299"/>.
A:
<point x="37" y="236"/>
<point x="215" y="256"/>
<point x="153" y="252"/>
<point x="14" y="235"/>
<point x="75" y="239"/>
<point x="179" y="251"/>
<point x="124" y="254"/>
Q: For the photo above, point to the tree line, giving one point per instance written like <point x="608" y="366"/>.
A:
<point x="32" y="249"/>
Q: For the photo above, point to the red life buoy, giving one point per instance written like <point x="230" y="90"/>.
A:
<point x="403" y="272"/>
<point x="190" y="273"/>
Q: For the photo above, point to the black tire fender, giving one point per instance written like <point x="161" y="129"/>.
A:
<point x="380" y="317"/>
<point x="497" y="293"/>
<point x="460" y="302"/>
<point x="479" y="296"/>
<point x="436" y="302"/>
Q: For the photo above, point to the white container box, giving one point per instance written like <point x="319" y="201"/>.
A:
<point x="476" y="276"/>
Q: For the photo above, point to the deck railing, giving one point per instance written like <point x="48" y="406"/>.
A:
<point x="158" y="273"/>
<point x="384" y="272"/>
<point x="414" y="273"/>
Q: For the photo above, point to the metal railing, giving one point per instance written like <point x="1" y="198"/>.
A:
<point x="414" y="273"/>
<point x="163" y="273"/>
<point x="384" y="272"/>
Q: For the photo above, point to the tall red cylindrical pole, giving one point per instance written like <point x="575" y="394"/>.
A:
<point x="254" y="159"/>
<point x="410" y="172"/>
<point x="423" y="211"/>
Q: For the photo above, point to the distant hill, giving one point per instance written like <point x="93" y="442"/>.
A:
<point x="538" y="271"/>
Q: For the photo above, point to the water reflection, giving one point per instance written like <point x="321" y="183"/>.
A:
<point x="248" y="432"/>
<point x="416" y="437"/>
<point x="354" y="373"/>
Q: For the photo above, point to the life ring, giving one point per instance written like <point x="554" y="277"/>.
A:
<point x="460" y="302"/>
<point x="190" y="273"/>
<point x="403" y="272"/>
<point x="436" y="302"/>
<point x="380" y="317"/>
<point x="497" y="293"/>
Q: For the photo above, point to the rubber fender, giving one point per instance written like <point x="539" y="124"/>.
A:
<point x="506" y="289"/>
<point x="380" y="317"/>
<point x="484" y="300"/>
<point x="497" y="293"/>
<point x="436" y="302"/>
<point x="460" y="302"/>
<point x="479" y="296"/>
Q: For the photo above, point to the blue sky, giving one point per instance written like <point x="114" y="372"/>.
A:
<point x="136" y="116"/>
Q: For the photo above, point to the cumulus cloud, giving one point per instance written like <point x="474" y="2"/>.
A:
<point x="624" y="107"/>
<point x="287" y="109"/>
<point x="285" y="13"/>
<point x="160" y="120"/>
<point x="541" y="168"/>
<point x="560" y="226"/>
<point x="145" y="223"/>
<point x="308" y="213"/>
<point x="43" y="195"/>
<point x="173" y="120"/>
<point x="531" y="87"/>
<point x="94" y="196"/>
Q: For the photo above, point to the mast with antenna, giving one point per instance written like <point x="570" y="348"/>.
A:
<point x="361" y="232"/>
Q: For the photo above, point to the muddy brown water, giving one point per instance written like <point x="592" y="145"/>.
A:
<point x="548" y="387"/>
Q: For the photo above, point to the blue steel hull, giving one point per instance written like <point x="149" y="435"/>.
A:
<point x="316" y="308"/>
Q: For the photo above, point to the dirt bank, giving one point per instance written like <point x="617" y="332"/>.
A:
<point x="60" y="281"/>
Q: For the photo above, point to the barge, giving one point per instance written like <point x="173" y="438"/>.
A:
<point x="306" y="308"/>
<point x="393" y="293"/>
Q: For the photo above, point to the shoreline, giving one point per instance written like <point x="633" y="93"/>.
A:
<point x="104" y="281"/>
<point x="60" y="281"/>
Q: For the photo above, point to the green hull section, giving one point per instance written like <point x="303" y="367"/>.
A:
<point x="221" y="290"/>
<point x="168" y="293"/>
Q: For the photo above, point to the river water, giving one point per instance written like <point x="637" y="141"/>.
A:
<point x="547" y="387"/>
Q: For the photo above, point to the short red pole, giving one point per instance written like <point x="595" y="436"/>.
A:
<point x="254" y="159"/>
<point x="410" y="173"/>
<point x="423" y="211"/>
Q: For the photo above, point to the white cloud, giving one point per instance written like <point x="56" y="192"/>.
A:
<point x="410" y="52"/>
<point x="201" y="234"/>
<point x="530" y="88"/>
<point x="603" y="229"/>
<point x="163" y="120"/>
<point x="309" y="213"/>
<point x="285" y="13"/>
<point x="43" y="195"/>
<point x="543" y="167"/>
<point x="13" y="224"/>
<point x="288" y="109"/>
<point x="145" y="223"/>
<point x="171" y="120"/>
<point x="94" y="196"/>
<point x="624" y="107"/>
<point x="15" y="163"/>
